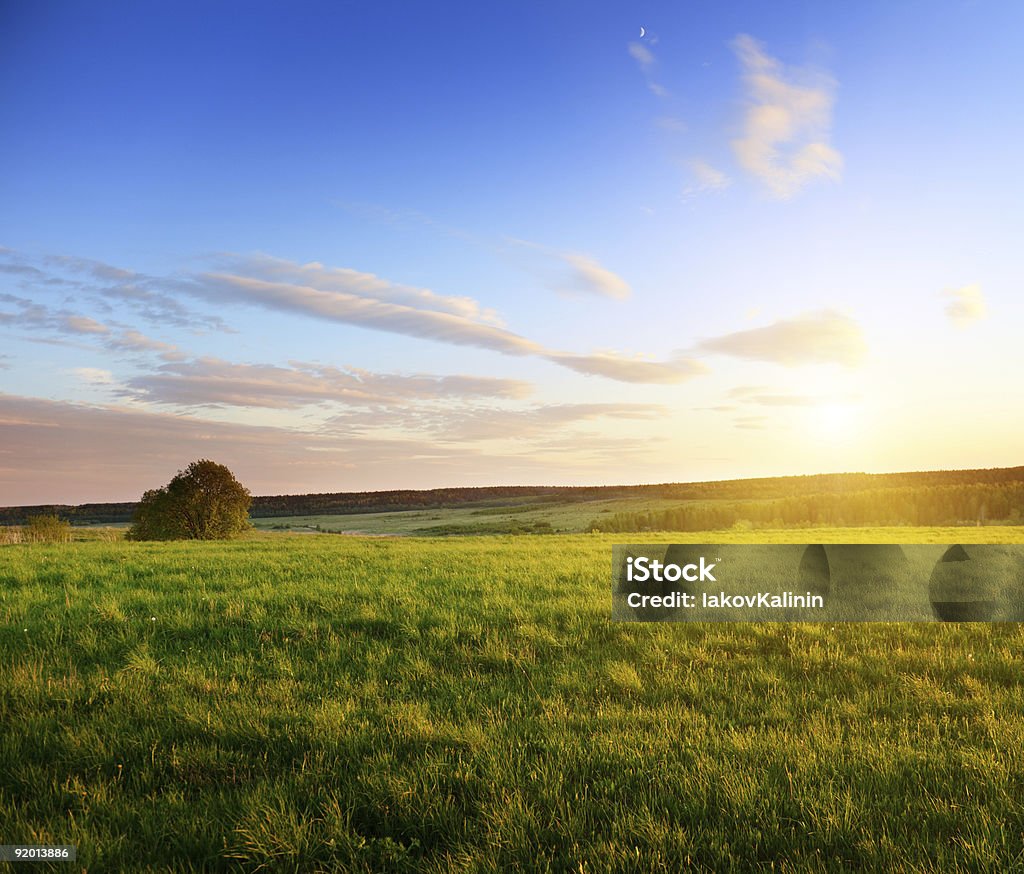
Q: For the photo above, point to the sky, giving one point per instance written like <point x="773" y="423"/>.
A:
<point x="358" y="245"/>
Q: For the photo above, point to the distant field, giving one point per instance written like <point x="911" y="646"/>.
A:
<point x="526" y="517"/>
<point x="510" y="517"/>
<point x="523" y="517"/>
<point x="305" y="703"/>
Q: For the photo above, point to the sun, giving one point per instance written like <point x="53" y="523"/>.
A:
<point x="836" y="421"/>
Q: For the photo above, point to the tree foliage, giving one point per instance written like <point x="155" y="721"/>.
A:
<point x="203" y="502"/>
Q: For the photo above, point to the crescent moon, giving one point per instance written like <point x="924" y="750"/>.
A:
<point x="642" y="32"/>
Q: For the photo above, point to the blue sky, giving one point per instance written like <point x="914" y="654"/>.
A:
<point x="380" y="245"/>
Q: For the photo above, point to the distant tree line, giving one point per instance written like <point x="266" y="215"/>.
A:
<point x="748" y="490"/>
<point x="83" y="514"/>
<point x="334" y="503"/>
<point x="407" y="499"/>
<point x="927" y="505"/>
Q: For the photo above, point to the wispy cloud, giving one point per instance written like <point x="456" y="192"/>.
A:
<point x="586" y="275"/>
<point x="824" y="337"/>
<point x="646" y="61"/>
<point x="786" y="126"/>
<point x="56" y="451"/>
<point x="91" y="267"/>
<point x="635" y="370"/>
<point x="62" y="452"/>
<point x="751" y="423"/>
<point x="429" y="323"/>
<point x="590" y="276"/>
<point x="406" y="217"/>
<point x="158" y="300"/>
<point x="214" y="382"/>
<point x="966" y="305"/>
<point x="355" y="283"/>
<point x="543" y="421"/>
<point x="94" y="375"/>
<point x="705" y="178"/>
<point x="475" y="424"/>
<point x="671" y="123"/>
<point x="763" y="396"/>
<point x="38" y="316"/>
<point x="350" y="308"/>
<point x="643" y="56"/>
<point x="15" y="269"/>
<point x="35" y="316"/>
<point x="337" y="295"/>
<point x="136" y="341"/>
<point x="155" y="299"/>
<point x="84" y="325"/>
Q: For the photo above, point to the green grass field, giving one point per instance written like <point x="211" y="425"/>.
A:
<point x="312" y="703"/>
<point x="510" y="517"/>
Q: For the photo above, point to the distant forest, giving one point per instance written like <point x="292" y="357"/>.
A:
<point x="976" y="504"/>
<point x="944" y="497"/>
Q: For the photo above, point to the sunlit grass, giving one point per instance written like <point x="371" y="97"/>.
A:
<point x="340" y="703"/>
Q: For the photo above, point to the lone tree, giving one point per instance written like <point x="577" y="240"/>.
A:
<point x="203" y="502"/>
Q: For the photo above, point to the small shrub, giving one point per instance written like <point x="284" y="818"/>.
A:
<point x="47" y="529"/>
<point x="10" y="534"/>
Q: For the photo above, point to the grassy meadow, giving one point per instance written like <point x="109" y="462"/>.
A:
<point x="509" y="517"/>
<point x="317" y="703"/>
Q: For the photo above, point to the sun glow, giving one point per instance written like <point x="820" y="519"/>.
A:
<point x="836" y="421"/>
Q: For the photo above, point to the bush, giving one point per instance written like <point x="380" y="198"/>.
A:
<point x="10" y="534"/>
<point x="47" y="529"/>
<point x="203" y="502"/>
